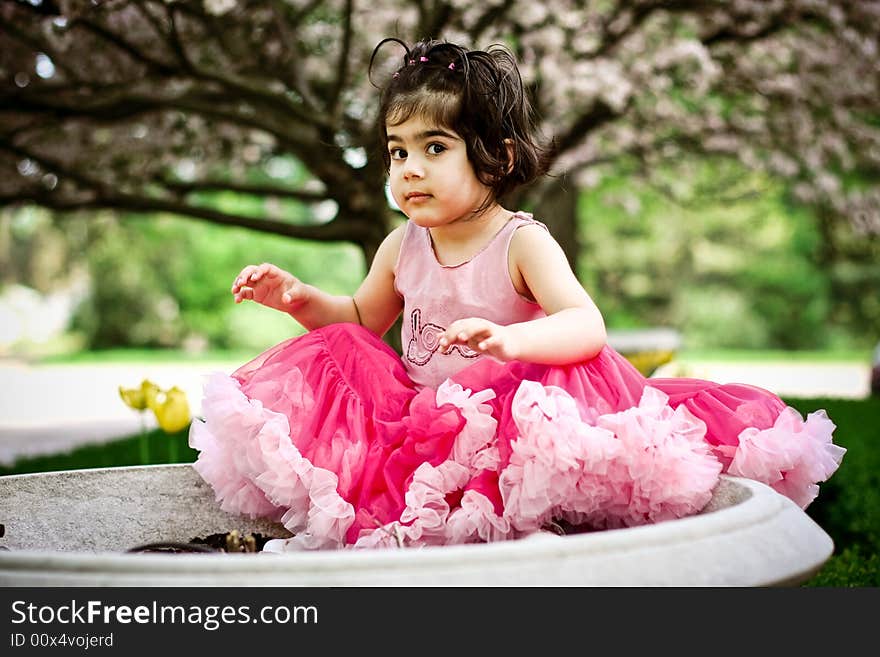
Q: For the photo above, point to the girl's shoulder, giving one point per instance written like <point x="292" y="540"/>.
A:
<point x="391" y="247"/>
<point x="527" y="230"/>
<point x="388" y="252"/>
<point x="396" y="235"/>
<point x="525" y="220"/>
<point x="532" y="240"/>
<point x="394" y="239"/>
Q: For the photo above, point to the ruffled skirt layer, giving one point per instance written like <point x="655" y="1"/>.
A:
<point x="327" y="434"/>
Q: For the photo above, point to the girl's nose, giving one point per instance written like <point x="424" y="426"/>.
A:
<point x="413" y="169"/>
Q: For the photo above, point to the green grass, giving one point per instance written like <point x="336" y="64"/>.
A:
<point x="152" y="447"/>
<point x="847" y="508"/>
<point x="148" y="356"/>
<point x="848" y="505"/>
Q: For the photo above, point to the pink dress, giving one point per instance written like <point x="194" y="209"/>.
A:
<point x="349" y="445"/>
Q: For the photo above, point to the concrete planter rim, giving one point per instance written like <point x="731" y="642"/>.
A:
<point x="755" y="537"/>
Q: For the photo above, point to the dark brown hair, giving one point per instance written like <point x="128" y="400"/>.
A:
<point x="477" y="93"/>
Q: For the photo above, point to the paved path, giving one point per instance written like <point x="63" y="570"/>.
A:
<point x="843" y="380"/>
<point x="51" y="408"/>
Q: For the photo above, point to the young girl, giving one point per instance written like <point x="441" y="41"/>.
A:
<point x="507" y="411"/>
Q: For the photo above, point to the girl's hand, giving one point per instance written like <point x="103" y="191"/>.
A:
<point x="270" y="286"/>
<point x="482" y="336"/>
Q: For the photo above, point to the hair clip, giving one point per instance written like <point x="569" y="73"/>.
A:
<point x="423" y="59"/>
<point x="451" y="66"/>
<point x="396" y="75"/>
<point x="411" y="62"/>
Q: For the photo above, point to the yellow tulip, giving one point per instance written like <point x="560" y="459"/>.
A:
<point x="140" y="398"/>
<point x="150" y="391"/>
<point x="133" y="398"/>
<point x="171" y="409"/>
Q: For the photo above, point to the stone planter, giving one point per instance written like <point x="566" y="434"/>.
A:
<point x="73" y="529"/>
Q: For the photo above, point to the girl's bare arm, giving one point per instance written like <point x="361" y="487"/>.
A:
<point x="375" y="304"/>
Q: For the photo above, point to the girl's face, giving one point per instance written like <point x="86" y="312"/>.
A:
<point x="432" y="180"/>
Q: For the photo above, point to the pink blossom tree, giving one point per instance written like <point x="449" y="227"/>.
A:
<point x="159" y="105"/>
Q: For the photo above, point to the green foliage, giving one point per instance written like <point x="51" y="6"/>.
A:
<point x="852" y="266"/>
<point x="131" y="300"/>
<point x="164" y="281"/>
<point x="848" y="505"/>
<point x="744" y="270"/>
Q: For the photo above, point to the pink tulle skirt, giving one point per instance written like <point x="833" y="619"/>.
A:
<point x="327" y="434"/>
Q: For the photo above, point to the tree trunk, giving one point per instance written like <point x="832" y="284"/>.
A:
<point x="557" y="208"/>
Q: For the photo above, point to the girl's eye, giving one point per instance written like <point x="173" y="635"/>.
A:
<point x="436" y="149"/>
<point x="397" y="153"/>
